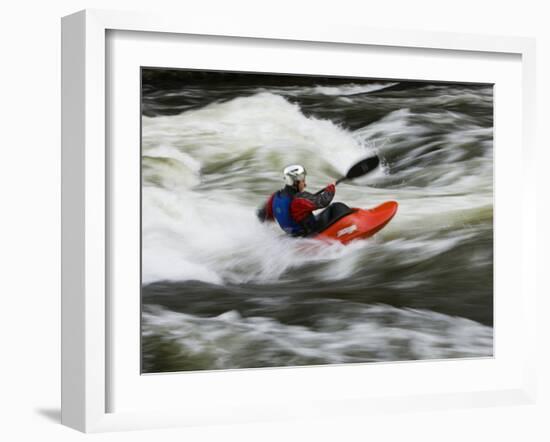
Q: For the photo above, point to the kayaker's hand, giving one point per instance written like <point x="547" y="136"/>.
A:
<point x="331" y="188"/>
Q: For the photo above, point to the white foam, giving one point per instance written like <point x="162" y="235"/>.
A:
<point x="351" y="89"/>
<point x="275" y="130"/>
<point x="211" y="234"/>
<point x="371" y="333"/>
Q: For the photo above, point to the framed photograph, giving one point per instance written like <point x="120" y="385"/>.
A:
<point x="301" y="223"/>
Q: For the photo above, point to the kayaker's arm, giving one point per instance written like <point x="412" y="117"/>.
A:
<point x="265" y="213"/>
<point x="305" y="203"/>
<point x="326" y="196"/>
<point x="320" y="199"/>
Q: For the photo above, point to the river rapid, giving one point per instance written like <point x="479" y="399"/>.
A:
<point x="222" y="291"/>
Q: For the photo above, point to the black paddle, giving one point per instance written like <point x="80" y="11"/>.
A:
<point x="359" y="169"/>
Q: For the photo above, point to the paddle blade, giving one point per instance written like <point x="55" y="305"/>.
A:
<point x="363" y="167"/>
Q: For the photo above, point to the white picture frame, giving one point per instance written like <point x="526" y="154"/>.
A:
<point x="86" y="207"/>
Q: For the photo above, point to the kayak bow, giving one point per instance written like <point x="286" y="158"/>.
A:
<point x="360" y="224"/>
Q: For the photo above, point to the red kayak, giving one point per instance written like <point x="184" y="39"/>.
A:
<point x="360" y="224"/>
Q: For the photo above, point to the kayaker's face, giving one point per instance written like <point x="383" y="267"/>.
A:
<point x="301" y="185"/>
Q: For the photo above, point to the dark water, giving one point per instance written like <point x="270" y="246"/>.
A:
<point x="221" y="290"/>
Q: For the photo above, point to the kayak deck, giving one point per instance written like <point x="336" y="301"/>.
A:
<point x="360" y="224"/>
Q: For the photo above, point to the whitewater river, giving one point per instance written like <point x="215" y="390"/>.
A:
<point x="221" y="290"/>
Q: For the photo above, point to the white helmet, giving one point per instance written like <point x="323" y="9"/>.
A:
<point x="294" y="173"/>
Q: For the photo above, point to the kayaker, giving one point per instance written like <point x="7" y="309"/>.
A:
<point x="292" y="207"/>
